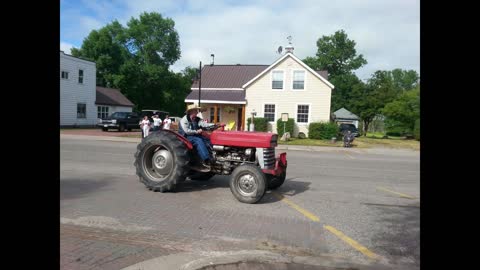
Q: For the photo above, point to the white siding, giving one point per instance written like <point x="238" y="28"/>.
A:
<point x="73" y="92"/>
<point x="317" y="94"/>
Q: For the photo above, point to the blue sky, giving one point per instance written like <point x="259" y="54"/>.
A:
<point x="387" y="32"/>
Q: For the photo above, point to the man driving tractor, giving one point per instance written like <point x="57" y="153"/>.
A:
<point x="191" y="127"/>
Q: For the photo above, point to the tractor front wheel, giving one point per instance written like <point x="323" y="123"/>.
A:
<point x="248" y="183"/>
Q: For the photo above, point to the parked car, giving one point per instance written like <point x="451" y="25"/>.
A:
<point x="120" y="120"/>
<point x="343" y="128"/>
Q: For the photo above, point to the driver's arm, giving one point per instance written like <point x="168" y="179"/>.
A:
<point x="202" y="123"/>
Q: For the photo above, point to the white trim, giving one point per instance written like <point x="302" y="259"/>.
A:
<point x="304" y="80"/>
<point x="296" y="59"/>
<point x="216" y="101"/>
<point x="191" y="88"/>
<point x="275" y="114"/>
<point x="309" y="113"/>
<point x="283" y="82"/>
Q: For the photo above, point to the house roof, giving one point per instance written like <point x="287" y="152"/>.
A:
<point x="111" y="96"/>
<point x="345" y="114"/>
<point x="218" y="96"/>
<point x="228" y="76"/>
<point x="323" y="73"/>
<point x="298" y="61"/>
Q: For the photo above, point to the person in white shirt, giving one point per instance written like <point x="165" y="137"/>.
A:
<point x="167" y="122"/>
<point x="157" y="121"/>
<point x="145" y="126"/>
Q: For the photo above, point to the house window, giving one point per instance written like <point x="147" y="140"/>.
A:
<point x="277" y="80"/>
<point x="80" y="76"/>
<point x="298" y="79"/>
<point x="102" y="112"/>
<point x="269" y="112"/>
<point x="81" y="110"/>
<point x="212" y="114"/>
<point x="65" y="75"/>
<point x="302" y="113"/>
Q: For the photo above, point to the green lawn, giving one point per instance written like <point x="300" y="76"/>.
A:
<point x="360" y="142"/>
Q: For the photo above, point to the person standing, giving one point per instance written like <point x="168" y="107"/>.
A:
<point x="156" y="122"/>
<point x="167" y="122"/>
<point x="145" y="126"/>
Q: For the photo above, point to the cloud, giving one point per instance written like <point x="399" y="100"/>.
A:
<point x="387" y="33"/>
<point x="66" y="47"/>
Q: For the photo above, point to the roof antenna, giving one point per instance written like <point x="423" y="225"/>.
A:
<point x="213" y="59"/>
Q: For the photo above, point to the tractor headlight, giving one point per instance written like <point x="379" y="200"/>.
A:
<point x="114" y="121"/>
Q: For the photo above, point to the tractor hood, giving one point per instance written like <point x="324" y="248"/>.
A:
<point x="244" y="139"/>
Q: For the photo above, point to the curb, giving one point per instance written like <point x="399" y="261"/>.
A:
<point x="201" y="260"/>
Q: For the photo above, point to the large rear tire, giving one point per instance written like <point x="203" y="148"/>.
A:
<point x="161" y="161"/>
<point x="248" y="183"/>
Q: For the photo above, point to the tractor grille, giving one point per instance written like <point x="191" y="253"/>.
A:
<point x="269" y="158"/>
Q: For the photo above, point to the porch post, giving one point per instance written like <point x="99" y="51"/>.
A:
<point x="243" y="118"/>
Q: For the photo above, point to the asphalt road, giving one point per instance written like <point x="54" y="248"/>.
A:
<point x="357" y="205"/>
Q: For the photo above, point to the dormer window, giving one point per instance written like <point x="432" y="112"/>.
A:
<point x="277" y="79"/>
<point x="298" y="79"/>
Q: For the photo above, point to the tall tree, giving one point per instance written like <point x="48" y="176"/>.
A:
<point x="337" y="54"/>
<point x="137" y="58"/>
<point x="405" y="79"/>
<point x="105" y="48"/>
<point x="404" y="110"/>
<point x="369" y="99"/>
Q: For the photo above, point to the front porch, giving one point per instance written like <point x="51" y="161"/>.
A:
<point x="224" y="113"/>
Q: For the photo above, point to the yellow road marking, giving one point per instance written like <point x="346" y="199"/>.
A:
<point x="398" y="193"/>
<point x="296" y="207"/>
<point x="352" y="242"/>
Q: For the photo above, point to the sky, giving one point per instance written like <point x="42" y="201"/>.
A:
<point x="386" y="32"/>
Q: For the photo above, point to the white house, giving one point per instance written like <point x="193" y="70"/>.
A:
<point x="233" y="92"/>
<point x="110" y="100"/>
<point x="77" y="91"/>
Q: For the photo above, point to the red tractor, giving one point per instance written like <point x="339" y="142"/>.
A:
<point x="165" y="158"/>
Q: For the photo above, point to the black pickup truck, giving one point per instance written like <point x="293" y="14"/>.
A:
<point x="121" y="121"/>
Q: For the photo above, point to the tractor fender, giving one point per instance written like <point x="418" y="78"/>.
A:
<point x="187" y="143"/>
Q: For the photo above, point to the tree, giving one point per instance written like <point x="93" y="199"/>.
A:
<point x="337" y="54"/>
<point x="404" y="110"/>
<point x="137" y="58"/>
<point x="105" y="48"/>
<point x="369" y="99"/>
<point x="405" y="79"/>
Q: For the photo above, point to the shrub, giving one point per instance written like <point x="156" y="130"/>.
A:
<point x="322" y="130"/>
<point x="260" y="123"/>
<point x="289" y="125"/>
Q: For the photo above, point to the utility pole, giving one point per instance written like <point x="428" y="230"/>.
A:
<point x="200" y="83"/>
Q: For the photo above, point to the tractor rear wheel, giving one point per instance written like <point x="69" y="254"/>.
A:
<point x="161" y="161"/>
<point x="248" y="183"/>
